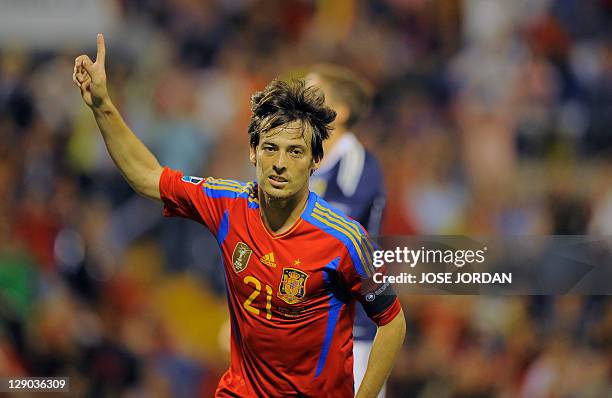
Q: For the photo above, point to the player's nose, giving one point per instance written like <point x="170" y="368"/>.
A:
<point x="281" y="160"/>
<point x="279" y="169"/>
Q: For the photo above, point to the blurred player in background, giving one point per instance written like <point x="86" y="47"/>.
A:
<point x="350" y="177"/>
<point x="294" y="265"/>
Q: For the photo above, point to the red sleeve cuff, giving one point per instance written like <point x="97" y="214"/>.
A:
<point x="389" y="314"/>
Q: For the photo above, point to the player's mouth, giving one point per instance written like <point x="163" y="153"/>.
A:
<point x="277" y="181"/>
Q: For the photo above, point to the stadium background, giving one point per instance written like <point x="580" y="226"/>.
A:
<point x="492" y="117"/>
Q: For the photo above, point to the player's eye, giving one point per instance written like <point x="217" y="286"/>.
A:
<point x="268" y="148"/>
<point x="297" y="152"/>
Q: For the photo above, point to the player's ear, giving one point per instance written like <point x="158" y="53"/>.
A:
<point x="316" y="163"/>
<point x="252" y="155"/>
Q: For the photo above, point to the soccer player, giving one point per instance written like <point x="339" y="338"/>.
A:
<point x="294" y="265"/>
<point x="350" y="178"/>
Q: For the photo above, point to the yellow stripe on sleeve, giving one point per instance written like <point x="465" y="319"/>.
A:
<point x="325" y="220"/>
<point x="352" y="227"/>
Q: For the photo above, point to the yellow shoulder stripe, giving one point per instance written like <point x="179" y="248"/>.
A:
<point x="341" y="220"/>
<point x="350" y="226"/>
<point x="219" y="182"/>
<point x="317" y="214"/>
<point x="222" y="188"/>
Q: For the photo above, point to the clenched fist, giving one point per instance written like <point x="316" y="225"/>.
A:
<point x="90" y="76"/>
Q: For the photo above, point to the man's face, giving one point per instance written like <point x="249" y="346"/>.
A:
<point x="283" y="160"/>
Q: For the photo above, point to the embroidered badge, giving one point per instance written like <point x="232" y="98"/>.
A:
<point x="292" y="287"/>
<point x="241" y="256"/>
<point x="192" y="180"/>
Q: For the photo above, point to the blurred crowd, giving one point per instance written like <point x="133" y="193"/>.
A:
<point x="491" y="117"/>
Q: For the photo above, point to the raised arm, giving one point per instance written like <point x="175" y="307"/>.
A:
<point x="136" y="163"/>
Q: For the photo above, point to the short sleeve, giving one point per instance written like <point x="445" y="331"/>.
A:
<point x="187" y="197"/>
<point x="378" y="299"/>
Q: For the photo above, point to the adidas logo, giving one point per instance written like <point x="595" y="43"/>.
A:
<point x="268" y="259"/>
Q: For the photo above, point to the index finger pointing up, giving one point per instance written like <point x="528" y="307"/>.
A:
<point x="101" y="49"/>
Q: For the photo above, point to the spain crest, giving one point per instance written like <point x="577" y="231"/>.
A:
<point x="241" y="256"/>
<point x="292" y="287"/>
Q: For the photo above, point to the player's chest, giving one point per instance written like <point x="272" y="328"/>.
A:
<point x="288" y="272"/>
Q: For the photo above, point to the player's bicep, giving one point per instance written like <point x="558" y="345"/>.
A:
<point x="366" y="285"/>
<point x="374" y="295"/>
<point x="378" y="300"/>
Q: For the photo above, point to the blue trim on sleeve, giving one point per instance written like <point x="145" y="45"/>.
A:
<point x="231" y="189"/>
<point x="223" y="228"/>
<point x="329" y="268"/>
<point x="220" y="193"/>
<point x="335" y="305"/>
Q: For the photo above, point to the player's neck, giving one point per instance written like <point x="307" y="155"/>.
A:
<point x="336" y="134"/>
<point x="279" y="215"/>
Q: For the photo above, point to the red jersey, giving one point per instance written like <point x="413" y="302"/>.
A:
<point x="291" y="296"/>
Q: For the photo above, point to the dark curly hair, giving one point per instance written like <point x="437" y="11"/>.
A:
<point x="282" y="102"/>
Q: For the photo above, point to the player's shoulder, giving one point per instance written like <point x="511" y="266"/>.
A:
<point x="358" y="169"/>
<point x="372" y="177"/>
<point x="348" y="234"/>
<point x="231" y="189"/>
<point x="372" y="164"/>
<point x="223" y="182"/>
<point x="332" y="221"/>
